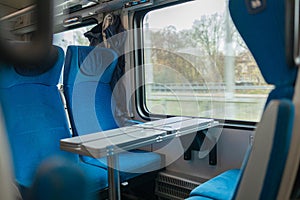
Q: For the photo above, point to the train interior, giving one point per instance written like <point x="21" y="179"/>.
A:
<point x="74" y="68"/>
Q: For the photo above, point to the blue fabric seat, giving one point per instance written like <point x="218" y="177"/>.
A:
<point x="87" y="75"/>
<point x="263" y="167"/>
<point x="198" y="198"/>
<point x="263" y="32"/>
<point x="59" y="179"/>
<point x="219" y="187"/>
<point x="36" y="121"/>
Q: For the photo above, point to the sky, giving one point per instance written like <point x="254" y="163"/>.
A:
<point x="184" y="16"/>
<point x="181" y="16"/>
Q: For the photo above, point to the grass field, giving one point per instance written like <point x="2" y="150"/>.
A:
<point x="240" y="107"/>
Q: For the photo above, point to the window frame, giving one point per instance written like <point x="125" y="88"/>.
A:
<point x="140" y="93"/>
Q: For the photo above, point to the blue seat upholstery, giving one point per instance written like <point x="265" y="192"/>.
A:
<point x="59" y="179"/>
<point x="264" y="35"/>
<point x="220" y="187"/>
<point x="198" y="198"/>
<point x="268" y="156"/>
<point x="36" y="121"/>
<point x="87" y="74"/>
<point x="87" y="90"/>
<point x="263" y="32"/>
<point x="260" y="176"/>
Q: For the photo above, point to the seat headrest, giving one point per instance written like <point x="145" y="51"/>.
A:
<point x="264" y="33"/>
<point x="9" y="75"/>
<point x="86" y="63"/>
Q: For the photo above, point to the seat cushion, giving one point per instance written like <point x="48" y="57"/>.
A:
<point x="60" y="179"/>
<point x="96" y="177"/>
<point x="198" y="198"/>
<point x="220" y="187"/>
<point x="132" y="163"/>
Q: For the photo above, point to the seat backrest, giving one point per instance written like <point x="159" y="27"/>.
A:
<point x="263" y="30"/>
<point x="34" y="115"/>
<point x="87" y="75"/>
<point x="262" y="26"/>
<point x="290" y="177"/>
<point x="263" y="169"/>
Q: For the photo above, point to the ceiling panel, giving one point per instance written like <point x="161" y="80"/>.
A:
<point x="16" y="4"/>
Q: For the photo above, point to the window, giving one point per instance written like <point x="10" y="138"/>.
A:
<point x="196" y="64"/>
<point x="72" y="37"/>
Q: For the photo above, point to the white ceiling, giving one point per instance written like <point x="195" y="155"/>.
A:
<point x="9" y="6"/>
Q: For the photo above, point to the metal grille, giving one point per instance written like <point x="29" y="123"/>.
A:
<point x="173" y="187"/>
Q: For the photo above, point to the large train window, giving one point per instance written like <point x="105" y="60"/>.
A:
<point x="196" y="64"/>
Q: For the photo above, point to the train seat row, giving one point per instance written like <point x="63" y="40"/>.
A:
<point x="36" y="120"/>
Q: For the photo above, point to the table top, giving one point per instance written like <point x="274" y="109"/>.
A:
<point x="113" y="141"/>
